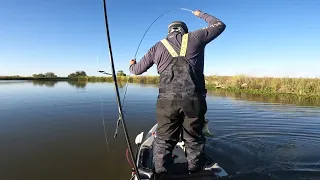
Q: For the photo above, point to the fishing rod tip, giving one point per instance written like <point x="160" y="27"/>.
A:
<point x="186" y="9"/>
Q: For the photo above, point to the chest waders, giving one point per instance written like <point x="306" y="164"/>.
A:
<point x="180" y="80"/>
<point x="180" y="110"/>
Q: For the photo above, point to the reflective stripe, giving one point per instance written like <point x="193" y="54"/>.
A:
<point x="184" y="45"/>
<point x="169" y="48"/>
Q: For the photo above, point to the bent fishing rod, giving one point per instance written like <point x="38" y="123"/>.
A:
<point x="135" y="55"/>
<point x="121" y="117"/>
<point x="120" y="107"/>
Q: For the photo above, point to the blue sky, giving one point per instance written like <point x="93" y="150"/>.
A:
<point x="262" y="38"/>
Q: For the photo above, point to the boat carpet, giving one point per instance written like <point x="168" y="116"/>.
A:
<point x="203" y="175"/>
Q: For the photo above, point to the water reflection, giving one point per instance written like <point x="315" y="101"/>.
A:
<point x="44" y="83"/>
<point x="283" y="99"/>
<point x="83" y="84"/>
<point x="149" y="85"/>
<point x="78" y="84"/>
<point x="121" y="85"/>
<point x="279" y="99"/>
<point x="59" y="133"/>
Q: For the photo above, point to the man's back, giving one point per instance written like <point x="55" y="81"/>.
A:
<point x="181" y="104"/>
<point x="194" y="54"/>
<point x="198" y="39"/>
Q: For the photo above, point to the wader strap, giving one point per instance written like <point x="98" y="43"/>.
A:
<point x="169" y="48"/>
<point x="184" y="45"/>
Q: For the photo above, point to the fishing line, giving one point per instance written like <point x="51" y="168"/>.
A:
<point x="117" y="92"/>
<point x="135" y="55"/>
<point x="104" y="125"/>
<point x="102" y="116"/>
<point x="120" y="107"/>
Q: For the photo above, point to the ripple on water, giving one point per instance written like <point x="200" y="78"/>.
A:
<point x="263" y="137"/>
<point x="257" y="140"/>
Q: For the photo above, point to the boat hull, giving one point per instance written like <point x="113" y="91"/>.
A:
<point x="144" y="161"/>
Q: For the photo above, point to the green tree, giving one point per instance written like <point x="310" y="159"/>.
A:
<point x="77" y="74"/>
<point x="81" y="73"/>
<point x="40" y="75"/>
<point x="121" y="73"/>
<point x="72" y="75"/>
<point x="50" y="75"/>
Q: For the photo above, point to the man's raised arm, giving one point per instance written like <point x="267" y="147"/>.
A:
<point x="144" y="64"/>
<point x="214" y="29"/>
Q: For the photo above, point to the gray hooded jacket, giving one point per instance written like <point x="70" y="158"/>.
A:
<point x="198" y="39"/>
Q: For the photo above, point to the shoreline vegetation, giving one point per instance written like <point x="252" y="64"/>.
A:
<point x="302" y="87"/>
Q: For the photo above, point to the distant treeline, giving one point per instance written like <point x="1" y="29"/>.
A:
<point x="266" y="85"/>
<point x="32" y="78"/>
<point x="253" y="85"/>
<point x="45" y="76"/>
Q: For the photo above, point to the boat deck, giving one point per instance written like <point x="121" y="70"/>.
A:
<point x="178" y="169"/>
<point x="203" y="175"/>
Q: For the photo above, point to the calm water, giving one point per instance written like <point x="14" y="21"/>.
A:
<point x="53" y="130"/>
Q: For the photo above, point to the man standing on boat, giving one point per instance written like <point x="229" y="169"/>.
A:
<point x="181" y="104"/>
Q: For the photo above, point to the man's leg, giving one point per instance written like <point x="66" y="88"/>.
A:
<point x="194" y="111"/>
<point x="168" y="131"/>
